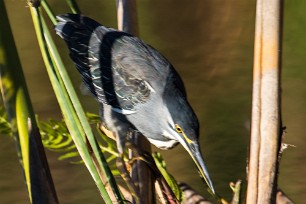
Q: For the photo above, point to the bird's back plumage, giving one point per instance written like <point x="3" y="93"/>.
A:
<point x="119" y="69"/>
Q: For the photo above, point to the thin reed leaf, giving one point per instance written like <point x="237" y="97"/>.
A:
<point x="65" y="105"/>
<point x="80" y="114"/>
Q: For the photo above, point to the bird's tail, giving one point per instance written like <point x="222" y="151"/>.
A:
<point x="83" y="37"/>
<point x="72" y="27"/>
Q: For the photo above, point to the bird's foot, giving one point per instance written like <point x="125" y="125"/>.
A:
<point x="126" y="177"/>
<point x="141" y="155"/>
<point x="103" y="128"/>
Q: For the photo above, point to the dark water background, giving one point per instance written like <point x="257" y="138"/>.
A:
<point x="211" y="45"/>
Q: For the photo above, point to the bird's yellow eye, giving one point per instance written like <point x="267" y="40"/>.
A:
<point x="178" y="128"/>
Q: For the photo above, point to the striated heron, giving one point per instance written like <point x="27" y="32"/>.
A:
<point x="137" y="88"/>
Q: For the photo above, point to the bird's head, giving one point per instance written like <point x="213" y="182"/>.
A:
<point x="183" y="126"/>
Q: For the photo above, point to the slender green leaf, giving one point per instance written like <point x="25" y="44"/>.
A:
<point x="5" y="126"/>
<point x="69" y="155"/>
<point x="22" y="119"/>
<point x="69" y="114"/>
<point x="161" y="165"/>
<point x="80" y="115"/>
<point x="49" y="11"/>
<point x="73" y="6"/>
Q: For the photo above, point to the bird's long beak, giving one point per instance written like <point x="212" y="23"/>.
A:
<point x="195" y="153"/>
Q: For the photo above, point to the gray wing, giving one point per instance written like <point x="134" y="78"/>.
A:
<point x="134" y="59"/>
<point x="92" y="48"/>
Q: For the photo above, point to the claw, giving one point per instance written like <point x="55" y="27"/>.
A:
<point x="126" y="177"/>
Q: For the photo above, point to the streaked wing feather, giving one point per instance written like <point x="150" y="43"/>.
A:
<point x="90" y="45"/>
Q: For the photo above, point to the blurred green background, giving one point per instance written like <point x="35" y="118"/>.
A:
<point x="211" y="45"/>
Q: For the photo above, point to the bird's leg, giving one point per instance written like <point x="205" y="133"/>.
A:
<point x="141" y="155"/>
<point x="125" y="173"/>
<point x="126" y="177"/>
<point x="121" y="165"/>
<point x="148" y="159"/>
